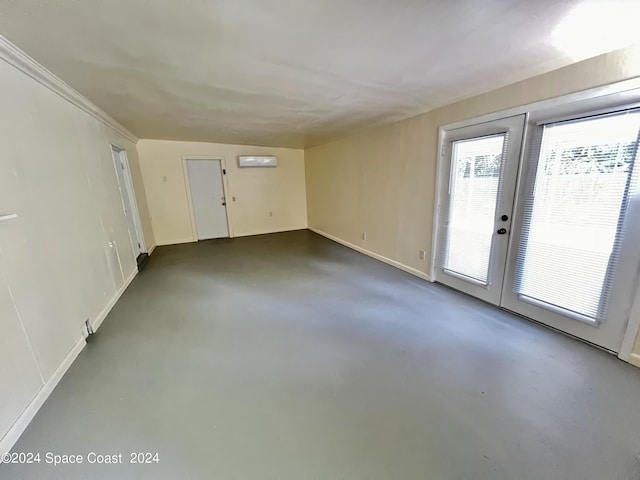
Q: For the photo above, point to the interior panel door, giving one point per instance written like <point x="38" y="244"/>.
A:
<point x="207" y="198"/>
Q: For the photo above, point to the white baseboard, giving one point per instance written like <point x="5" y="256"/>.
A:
<point x="268" y="232"/>
<point x="634" y="359"/>
<point x="153" y="247"/>
<point x="20" y="425"/>
<point x="11" y="437"/>
<point x="95" y="324"/>
<point x="175" y="242"/>
<point x="369" y="253"/>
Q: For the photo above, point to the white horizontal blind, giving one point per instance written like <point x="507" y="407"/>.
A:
<point x="574" y="214"/>
<point x="476" y="167"/>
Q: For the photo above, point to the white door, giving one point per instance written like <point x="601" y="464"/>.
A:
<point x="476" y="205"/>
<point x="567" y="255"/>
<point x="575" y="252"/>
<point x="128" y="200"/>
<point x="207" y="198"/>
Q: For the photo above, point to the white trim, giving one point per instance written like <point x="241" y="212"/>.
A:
<point x="369" y="253"/>
<point x="590" y="114"/>
<point x="588" y="94"/>
<point x="95" y="324"/>
<point x="187" y="190"/>
<point x="153" y="247"/>
<point x="269" y="232"/>
<point x="23" y="62"/>
<point x="11" y="437"/>
<point x="631" y="332"/>
<point x="225" y="188"/>
<point x="634" y="359"/>
<point x="435" y="232"/>
<point x="176" y="242"/>
<point x="130" y="192"/>
<point x="21" y="424"/>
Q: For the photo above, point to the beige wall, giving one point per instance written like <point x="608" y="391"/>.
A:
<point x="381" y="181"/>
<point x="66" y="255"/>
<point x="257" y="191"/>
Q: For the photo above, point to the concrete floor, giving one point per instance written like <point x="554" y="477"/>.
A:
<point x="288" y="356"/>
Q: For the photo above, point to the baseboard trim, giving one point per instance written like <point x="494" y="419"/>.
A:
<point x="11" y="437"/>
<point x="95" y="324"/>
<point x="175" y="242"/>
<point x="268" y="232"/>
<point x="23" y="421"/>
<point x="377" y="256"/>
<point x="634" y="359"/>
<point x="153" y="247"/>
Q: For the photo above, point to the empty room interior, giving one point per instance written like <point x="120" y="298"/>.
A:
<point x="320" y="240"/>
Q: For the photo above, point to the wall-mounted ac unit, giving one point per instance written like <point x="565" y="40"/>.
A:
<point x="257" y="161"/>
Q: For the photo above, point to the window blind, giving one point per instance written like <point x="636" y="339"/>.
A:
<point x="573" y="221"/>
<point x="474" y="183"/>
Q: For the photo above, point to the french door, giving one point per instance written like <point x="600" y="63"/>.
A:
<point x="476" y="205"/>
<point x="551" y="234"/>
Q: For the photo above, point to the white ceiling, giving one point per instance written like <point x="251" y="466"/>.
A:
<point x="285" y="72"/>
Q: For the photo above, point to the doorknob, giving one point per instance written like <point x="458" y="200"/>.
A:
<point x="502" y="231"/>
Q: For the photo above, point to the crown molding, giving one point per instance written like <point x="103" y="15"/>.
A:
<point x="27" y="65"/>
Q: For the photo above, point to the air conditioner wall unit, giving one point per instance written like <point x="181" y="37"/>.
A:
<point x="257" y="161"/>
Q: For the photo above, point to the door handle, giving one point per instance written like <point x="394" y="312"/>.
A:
<point x="501" y="231"/>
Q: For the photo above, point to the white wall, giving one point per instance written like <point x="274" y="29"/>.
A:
<point x="57" y="268"/>
<point x="382" y="181"/>
<point x="257" y="191"/>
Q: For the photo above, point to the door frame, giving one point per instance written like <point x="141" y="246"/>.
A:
<point x="509" y="126"/>
<point x="626" y="272"/>
<point x="187" y="186"/>
<point x="131" y="194"/>
<point x="626" y="89"/>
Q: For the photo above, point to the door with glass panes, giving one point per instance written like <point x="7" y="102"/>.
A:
<point x="476" y="205"/>
<point x="571" y="258"/>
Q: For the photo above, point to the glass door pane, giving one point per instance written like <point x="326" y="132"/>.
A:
<point x="475" y="203"/>
<point x="473" y="189"/>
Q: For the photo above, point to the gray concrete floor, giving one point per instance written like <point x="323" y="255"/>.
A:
<point x="288" y="356"/>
